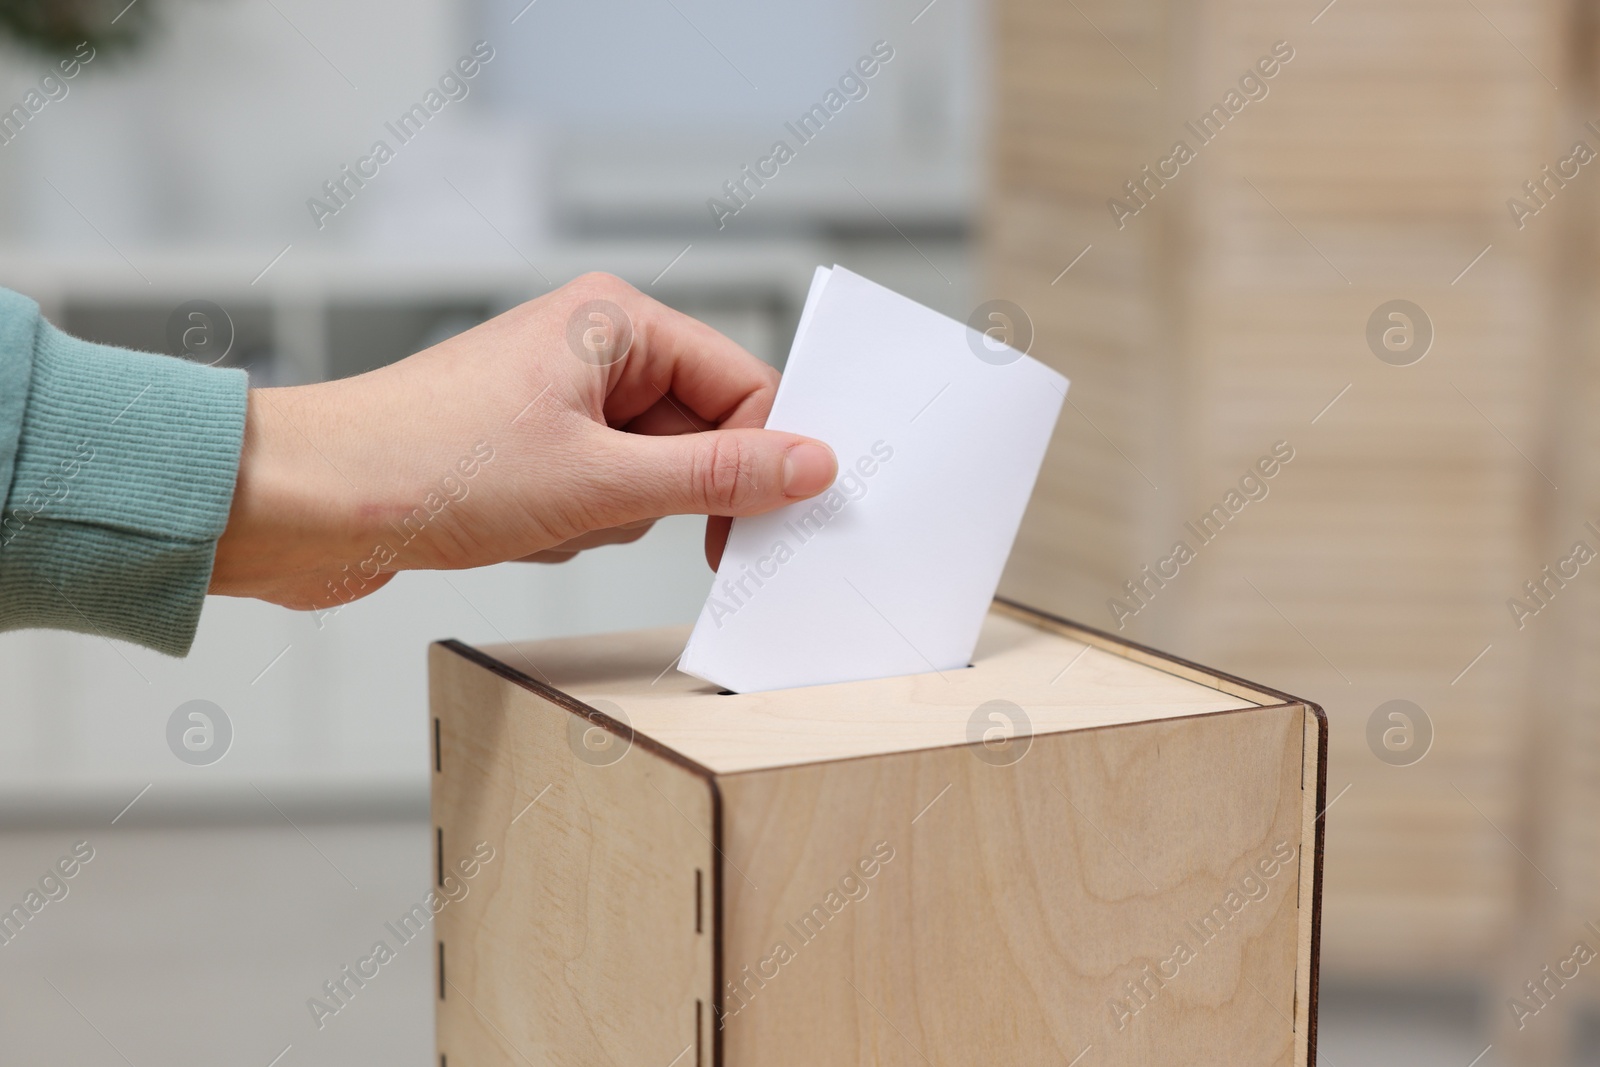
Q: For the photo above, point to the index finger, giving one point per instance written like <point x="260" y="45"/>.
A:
<point x="690" y="364"/>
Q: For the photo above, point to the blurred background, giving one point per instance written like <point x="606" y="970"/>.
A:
<point x="1377" y="258"/>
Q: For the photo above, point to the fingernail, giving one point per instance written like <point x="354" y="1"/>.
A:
<point x="808" y="469"/>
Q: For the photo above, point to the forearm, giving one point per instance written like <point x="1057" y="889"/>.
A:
<point x="120" y="479"/>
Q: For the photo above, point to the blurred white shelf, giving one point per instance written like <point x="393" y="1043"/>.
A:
<point x="291" y="299"/>
<point x="308" y="273"/>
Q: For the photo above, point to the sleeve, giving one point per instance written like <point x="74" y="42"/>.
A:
<point x="117" y="471"/>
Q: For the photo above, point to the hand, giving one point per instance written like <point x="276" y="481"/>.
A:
<point x="503" y="443"/>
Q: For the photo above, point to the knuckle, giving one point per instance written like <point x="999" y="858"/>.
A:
<point x="727" y="474"/>
<point x="600" y="283"/>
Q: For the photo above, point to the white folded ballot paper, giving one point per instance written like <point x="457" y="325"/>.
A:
<point x="892" y="570"/>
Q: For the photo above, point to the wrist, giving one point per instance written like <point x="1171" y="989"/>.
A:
<point x="291" y="514"/>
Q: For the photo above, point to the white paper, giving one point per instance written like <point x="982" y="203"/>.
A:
<point x="893" y="569"/>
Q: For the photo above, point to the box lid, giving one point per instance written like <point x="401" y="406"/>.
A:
<point x="1031" y="674"/>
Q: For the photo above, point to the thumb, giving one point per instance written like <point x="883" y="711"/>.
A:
<point x="719" y="472"/>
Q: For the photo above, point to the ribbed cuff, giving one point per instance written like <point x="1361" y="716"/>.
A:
<point x="124" y="474"/>
<point x="19" y="322"/>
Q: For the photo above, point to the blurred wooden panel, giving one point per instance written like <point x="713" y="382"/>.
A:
<point x="1561" y="878"/>
<point x="1230" y="313"/>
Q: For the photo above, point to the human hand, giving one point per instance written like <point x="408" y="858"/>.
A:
<point x="508" y="442"/>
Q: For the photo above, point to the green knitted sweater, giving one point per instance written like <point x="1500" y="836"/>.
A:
<point x="116" y="474"/>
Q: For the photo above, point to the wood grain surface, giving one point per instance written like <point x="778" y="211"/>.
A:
<point x="578" y="944"/>
<point x="1021" y="900"/>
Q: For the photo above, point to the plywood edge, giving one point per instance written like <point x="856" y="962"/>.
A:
<point x="1143" y="654"/>
<point x="1314" y="782"/>
<point x="448" y="663"/>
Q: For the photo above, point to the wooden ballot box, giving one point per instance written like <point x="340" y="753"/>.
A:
<point x="1074" y="851"/>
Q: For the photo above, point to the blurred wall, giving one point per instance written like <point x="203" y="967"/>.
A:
<point x="220" y="125"/>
